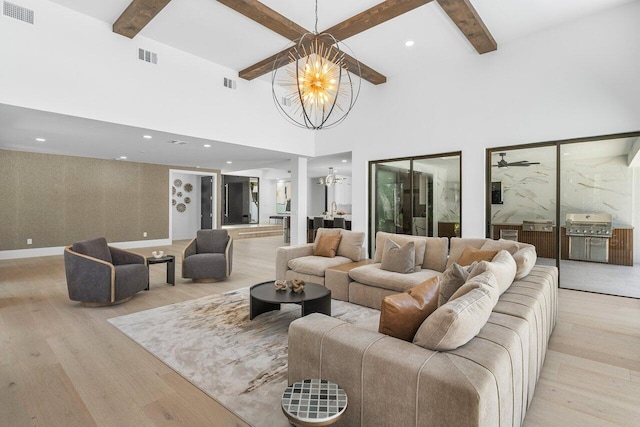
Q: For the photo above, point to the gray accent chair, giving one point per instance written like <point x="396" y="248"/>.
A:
<point x="99" y="275"/>
<point x="208" y="257"/>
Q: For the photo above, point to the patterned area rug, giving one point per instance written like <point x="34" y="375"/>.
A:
<point x="239" y="362"/>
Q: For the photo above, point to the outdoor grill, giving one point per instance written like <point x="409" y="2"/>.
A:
<point x="589" y="236"/>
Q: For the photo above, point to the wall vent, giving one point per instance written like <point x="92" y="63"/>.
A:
<point x="286" y="101"/>
<point x="228" y="83"/>
<point x="17" y="12"/>
<point x="147" y="56"/>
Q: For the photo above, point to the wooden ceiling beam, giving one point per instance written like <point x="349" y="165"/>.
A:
<point x="137" y="15"/>
<point x="267" y="17"/>
<point x="464" y="15"/>
<point x="373" y="16"/>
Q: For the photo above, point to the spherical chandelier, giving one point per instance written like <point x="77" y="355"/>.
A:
<point x="311" y="83"/>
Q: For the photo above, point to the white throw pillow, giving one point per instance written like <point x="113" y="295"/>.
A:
<point x="503" y="268"/>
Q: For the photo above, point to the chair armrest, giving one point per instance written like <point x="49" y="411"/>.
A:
<point x="122" y="257"/>
<point x="189" y="250"/>
<point x="89" y="279"/>
<point x="228" y="255"/>
<point x="286" y="253"/>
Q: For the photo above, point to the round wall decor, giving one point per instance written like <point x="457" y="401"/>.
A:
<point x="173" y="202"/>
<point x="181" y="207"/>
<point x="179" y="194"/>
<point x="188" y="187"/>
<point x="173" y="190"/>
<point x="187" y="199"/>
<point x="177" y="183"/>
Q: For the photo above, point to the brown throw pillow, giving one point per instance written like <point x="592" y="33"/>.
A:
<point x="471" y="254"/>
<point x="402" y="314"/>
<point x="399" y="259"/>
<point x="452" y="278"/>
<point x="327" y="245"/>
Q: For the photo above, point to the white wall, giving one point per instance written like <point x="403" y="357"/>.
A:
<point x="186" y="224"/>
<point x="577" y="80"/>
<point x="73" y="64"/>
<point x="315" y="200"/>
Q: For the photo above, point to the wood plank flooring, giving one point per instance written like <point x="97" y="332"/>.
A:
<point x="62" y="364"/>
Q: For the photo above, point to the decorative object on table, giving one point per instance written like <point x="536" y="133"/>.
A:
<point x="173" y="202"/>
<point x="297" y="285"/>
<point x="157" y="254"/>
<point x="188" y="187"/>
<point x="331" y="398"/>
<point x="187" y="200"/>
<point x="181" y="207"/>
<point x="177" y="183"/>
<point x="280" y="285"/>
<point x="313" y="76"/>
<point x="179" y="194"/>
<point x="173" y="190"/>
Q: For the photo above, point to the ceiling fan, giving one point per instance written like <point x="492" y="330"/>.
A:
<point x="503" y="164"/>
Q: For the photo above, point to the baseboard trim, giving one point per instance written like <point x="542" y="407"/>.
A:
<point x="58" y="250"/>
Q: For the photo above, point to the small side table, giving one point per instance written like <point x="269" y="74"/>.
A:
<point x="170" y="260"/>
<point x="314" y="403"/>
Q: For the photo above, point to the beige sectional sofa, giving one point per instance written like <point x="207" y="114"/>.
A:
<point x="489" y="381"/>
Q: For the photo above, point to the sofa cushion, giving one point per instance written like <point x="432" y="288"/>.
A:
<point x="324" y="231"/>
<point x="452" y="278"/>
<point x="351" y="245"/>
<point x="373" y="275"/>
<point x="327" y="245"/>
<point x="205" y="266"/>
<point x="211" y="241"/>
<point x="471" y="254"/>
<point x="400" y="259"/>
<point x="459" y="320"/>
<point x="315" y="265"/>
<point x="402" y="314"/>
<point x="420" y="245"/>
<point x="503" y="268"/>
<point x="95" y="248"/>
<point x="502" y="244"/>
<point x="525" y="259"/>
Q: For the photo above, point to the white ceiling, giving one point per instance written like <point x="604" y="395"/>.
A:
<point x="213" y="31"/>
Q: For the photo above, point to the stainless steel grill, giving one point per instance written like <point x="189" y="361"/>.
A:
<point x="589" y="236"/>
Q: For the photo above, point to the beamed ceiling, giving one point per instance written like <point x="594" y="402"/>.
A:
<point x="139" y="13"/>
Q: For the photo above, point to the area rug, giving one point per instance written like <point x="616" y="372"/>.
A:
<point x="239" y="362"/>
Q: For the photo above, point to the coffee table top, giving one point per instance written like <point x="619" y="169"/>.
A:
<point x="314" y="402"/>
<point x="267" y="292"/>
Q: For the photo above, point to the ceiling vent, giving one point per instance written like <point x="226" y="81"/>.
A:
<point x="286" y="101"/>
<point x="17" y="12"/>
<point x="228" y="83"/>
<point x="178" y="142"/>
<point x="147" y="56"/>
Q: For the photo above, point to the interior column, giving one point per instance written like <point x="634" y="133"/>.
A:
<point x="299" y="201"/>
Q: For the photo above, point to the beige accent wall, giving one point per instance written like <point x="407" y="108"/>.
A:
<point x="57" y="200"/>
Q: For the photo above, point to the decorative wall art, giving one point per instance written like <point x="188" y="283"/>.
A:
<point x="188" y="188"/>
<point x="187" y="200"/>
<point x="173" y="190"/>
<point x="179" y="194"/>
<point x="181" y="207"/>
<point x="177" y="183"/>
<point x="173" y="202"/>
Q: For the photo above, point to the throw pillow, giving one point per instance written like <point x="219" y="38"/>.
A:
<point x="452" y="278"/>
<point x="499" y="245"/>
<point x="323" y="231"/>
<point x="351" y="245"/>
<point x="327" y="245"/>
<point x="401" y="239"/>
<point x="525" y="260"/>
<point x="471" y="254"/>
<point x="402" y="314"/>
<point x="399" y="259"/>
<point x="459" y="320"/>
<point x="503" y="268"/>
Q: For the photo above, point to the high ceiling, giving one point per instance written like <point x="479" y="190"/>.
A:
<point x="213" y="31"/>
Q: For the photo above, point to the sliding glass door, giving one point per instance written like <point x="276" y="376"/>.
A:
<point x="418" y="196"/>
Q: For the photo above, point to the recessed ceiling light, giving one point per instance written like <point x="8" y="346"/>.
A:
<point x="197" y="167"/>
<point x="409" y="43"/>
<point x="40" y="139"/>
<point x="120" y="158"/>
<point x="147" y="136"/>
<point x="229" y="162"/>
<point x="344" y="160"/>
<point x="178" y="142"/>
<point x="207" y="145"/>
<point x="565" y="154"/>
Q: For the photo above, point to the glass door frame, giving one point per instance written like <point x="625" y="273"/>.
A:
<point x="411" y="159"/>
<point x="558" y="144"/>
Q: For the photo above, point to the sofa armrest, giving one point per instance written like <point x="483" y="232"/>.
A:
<point x="122" y="257"/>
<point x="228" y="255"/>
<point x="389" y="381"/>
<point x="286" y="253"/>
<point x="89" y="279"/>
<point x="189" y="250"/>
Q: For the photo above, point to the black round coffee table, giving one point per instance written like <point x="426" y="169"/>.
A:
<point x="313" y="299"/>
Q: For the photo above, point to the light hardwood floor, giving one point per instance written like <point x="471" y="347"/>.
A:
<point x="63" y="365"/>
